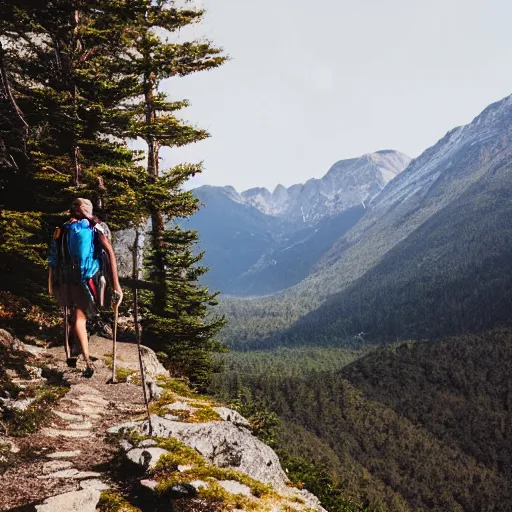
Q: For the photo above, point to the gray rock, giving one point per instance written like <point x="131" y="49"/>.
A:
<point x="20" y="405"/>
<point x="33" y="349"/>
<point x="225" y="445"/>
<point x="152" y="366"/>
<point x="34" y="371"/>
<point x="56" y="465"/>
<point x="64" y="455"/>
<point x="72" y="473"/>
<point x="183" y="468"/>
<point x="146" y="457"/>
<point x="94" y="483"/>
<point x="85" y="425"/>
<point x="78" y="418"/>
<point x="4" y="442"/>
<point x="123" y="241"/>
<point x="149" y="484"/>
<point x="198" y="484"/>
<point x="94" y="399"/>
<point x="53" y="432"/>
<point x="125" y="445"/>
<point x="147" y="443"/>
<point x="7" y="339"/>
<point x="155" y="391"/>
<point x="75" y="501"/>
<point x="180" y="406"/>
<point x="233" y="416"/>
<point x="124" y="428"/>
<point x="171" y="417"/>
<point x="234" y="487"/>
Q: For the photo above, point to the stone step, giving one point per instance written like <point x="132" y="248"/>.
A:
<point x="56" y="465"/>
<point x="94" y="483"/>
<point x="73" y="473"/>
<point x="53" y="432"/>
<point x="84" y="500"/>
<point x="86" y="425"/>
<point x="64" y="455"/>
<point x="69" y="417"/>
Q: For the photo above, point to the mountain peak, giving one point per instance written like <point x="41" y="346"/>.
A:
<point x="346" y="184"/>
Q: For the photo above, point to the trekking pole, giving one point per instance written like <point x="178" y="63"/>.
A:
<point x="141" y="364"/>
<point x="137" y="326"/>
<point x="114" y="337"/>
<point x="66" y="326"/>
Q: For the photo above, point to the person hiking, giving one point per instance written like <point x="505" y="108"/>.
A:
<point x="80" y="255"/>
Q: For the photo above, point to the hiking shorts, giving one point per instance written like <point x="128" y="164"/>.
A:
<point x="82" y="296"/>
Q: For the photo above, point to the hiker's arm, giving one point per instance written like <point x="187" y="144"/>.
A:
<point x="113" y="264"/>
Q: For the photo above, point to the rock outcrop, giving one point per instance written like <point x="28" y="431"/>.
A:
<point x="223" y="444"/>
<point x="197" y="448"/>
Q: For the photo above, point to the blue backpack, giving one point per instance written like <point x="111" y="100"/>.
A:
<point x="77" y="257"/>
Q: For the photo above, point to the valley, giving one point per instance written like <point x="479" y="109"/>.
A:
<point x="259" y="243"/>
<point x="387" y="364"/>
<point x="432" y="248"/>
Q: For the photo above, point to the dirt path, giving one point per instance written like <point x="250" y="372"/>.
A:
<point x="71" y="452"/>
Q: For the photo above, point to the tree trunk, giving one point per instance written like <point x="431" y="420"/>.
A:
<point x="157" y="219"/>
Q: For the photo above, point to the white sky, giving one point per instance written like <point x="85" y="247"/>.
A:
<point x="313" y="82"/>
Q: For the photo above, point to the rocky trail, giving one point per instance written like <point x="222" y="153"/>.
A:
<point x="93" y="452"/>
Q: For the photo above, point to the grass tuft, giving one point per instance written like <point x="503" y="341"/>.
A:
<point x="111" y="501"/>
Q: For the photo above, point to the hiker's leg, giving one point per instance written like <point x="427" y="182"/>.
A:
<point x="81" y="332"/>
<point x="68" y="326"/>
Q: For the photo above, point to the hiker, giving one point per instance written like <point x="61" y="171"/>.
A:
<point x="80" y="256"/>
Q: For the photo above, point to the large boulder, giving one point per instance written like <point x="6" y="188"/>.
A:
<point x="222" y="443"/>
<point x="9" y="341"/>
<point x="146" y="457"/>
<point x="227" y="445"/>
<point x="75" y="501"/>
<point x="128" y="357"/>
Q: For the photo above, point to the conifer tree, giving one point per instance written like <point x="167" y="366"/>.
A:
<point x="85" y="74"/>
<point x="59" y="61"/>
<point x="176" y="322"/>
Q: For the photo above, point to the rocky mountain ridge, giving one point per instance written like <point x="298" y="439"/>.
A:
<point x="348" y="183"/>
<point x="257" y="242"/>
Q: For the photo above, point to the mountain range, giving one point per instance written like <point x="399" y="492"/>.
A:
<point x="430" y="256"/>
<point x="258" y="242"/>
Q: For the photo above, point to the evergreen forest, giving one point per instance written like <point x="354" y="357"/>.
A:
<point x="79" y="80"/>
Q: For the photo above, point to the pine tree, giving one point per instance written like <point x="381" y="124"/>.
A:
<point x="183" y="333"/>
<point x="177" y="321"/>
<point x="60" y="60"/>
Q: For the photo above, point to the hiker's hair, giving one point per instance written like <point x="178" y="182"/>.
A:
<point x="84" y="206"/>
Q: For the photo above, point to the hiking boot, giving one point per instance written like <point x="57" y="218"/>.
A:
<point x="89" y="371"/>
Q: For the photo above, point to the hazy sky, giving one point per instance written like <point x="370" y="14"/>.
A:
<point x="313" y="82"/>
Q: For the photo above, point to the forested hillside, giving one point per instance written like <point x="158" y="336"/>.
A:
<point x="427" y="423"/>
<point x="429" y="257"/>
